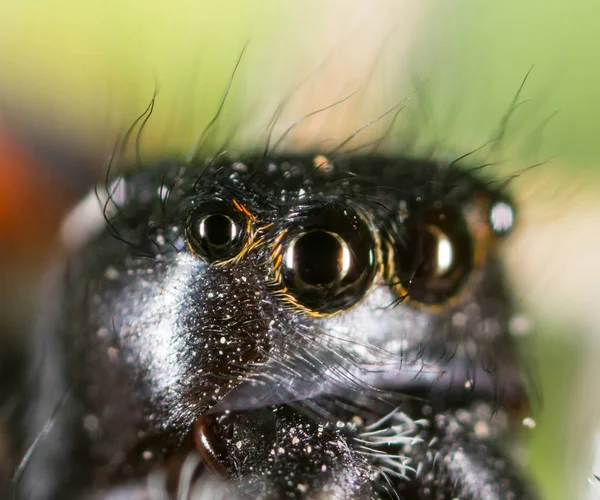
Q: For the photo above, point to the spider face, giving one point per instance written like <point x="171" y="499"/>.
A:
<point x="305" y="327"/>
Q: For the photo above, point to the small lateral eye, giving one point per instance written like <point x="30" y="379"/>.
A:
<point x="433" y="255"/>
<point x="216" y="231"/>
<point x="502" y="217"/>
<point x="328" y="259"/>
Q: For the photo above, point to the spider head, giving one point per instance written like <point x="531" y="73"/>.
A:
<point x="219" y="305"/>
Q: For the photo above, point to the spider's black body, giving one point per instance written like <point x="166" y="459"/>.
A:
<point x="387" y="380"/>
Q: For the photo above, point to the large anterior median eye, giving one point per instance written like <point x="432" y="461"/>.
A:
<point x="433" y="255"/>
<point x="217" y="231"/>
<point x="328" y="258"/>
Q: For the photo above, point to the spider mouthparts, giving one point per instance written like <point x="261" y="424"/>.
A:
<point x="452" y="381"/>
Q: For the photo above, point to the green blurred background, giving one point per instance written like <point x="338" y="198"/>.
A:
<point x="73" y="75"/>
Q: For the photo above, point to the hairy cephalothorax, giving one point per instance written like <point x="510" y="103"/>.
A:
<point x="268" y="327"/>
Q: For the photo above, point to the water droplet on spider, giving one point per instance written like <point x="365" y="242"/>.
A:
<point x="111" y="273"/>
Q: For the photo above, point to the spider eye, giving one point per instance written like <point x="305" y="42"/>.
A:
<point x="328" y="259"/>
<point x="216" y="231"/>
<point x="434" y="255"/>
<point x="319" y="258"/>
<point x="502" y="217"/>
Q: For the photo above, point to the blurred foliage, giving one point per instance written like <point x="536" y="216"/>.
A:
<point x="482" y="53"/>
<point x="557" y="362"/>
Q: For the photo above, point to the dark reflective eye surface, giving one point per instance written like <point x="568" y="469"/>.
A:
<point x="328" y="259"/>
<point x="216" y="231"/>
<point x="319" y="257"/>
<point x="433" y="255"/>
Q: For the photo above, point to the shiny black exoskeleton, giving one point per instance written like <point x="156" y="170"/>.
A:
<point x="297" y="327"/>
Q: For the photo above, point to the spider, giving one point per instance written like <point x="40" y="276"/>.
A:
<point x="288" y="326"/>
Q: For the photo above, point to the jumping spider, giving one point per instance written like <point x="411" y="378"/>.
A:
<point x="293" y="326"/>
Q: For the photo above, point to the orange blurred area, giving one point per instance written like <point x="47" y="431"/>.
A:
<point x="31" y="204"/>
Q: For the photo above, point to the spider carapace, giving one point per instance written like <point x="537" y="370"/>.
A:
<point x="267" y="327"/>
